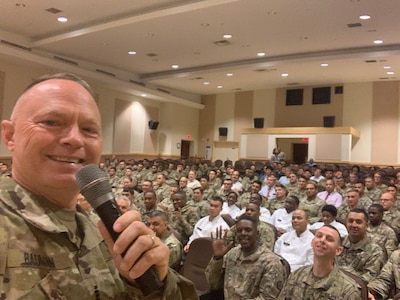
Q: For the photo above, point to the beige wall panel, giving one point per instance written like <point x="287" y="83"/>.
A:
<point x="224" y="114"/>
<point x="307" y="115"/>
<point x="122" y="126"/>
<point x="357" y="113"/>
<point x="243" y="113"/>
<point x="257" y="145"/>
<point x="385" y="114"/>
<point x="177" y="121"/>
<point x="328" y="147"/>
<point x="264" y="106"/>
<point x="207" y="123"/>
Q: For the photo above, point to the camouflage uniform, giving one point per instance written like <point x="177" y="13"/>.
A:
<point x="392" y="218"/>
<point x="260" y="275"/>
<point x="208" y="193"/>
<point x="41" y="258"/>
<point x="175" y="249"/>
<point x="388" y="277"/>
<point x="223" y="194"/>
<point x="313" y="208"/>
<point x="190" y="216"/>
<point x="302" y="284"/>
<point x="301" y="194"/>
<point x="247" y="182"/>
<point x="139" y="200"/>
<point x="273" y="204"/>
<point x="266" y="235"/>
<point x="364" y="258"/>
<point x="201" y="205"/>
<point x="145" y="213"/>
<point x="342" y="212"/>
<point x="243" y="200"/>
<point x="188" y="192"/>
<point x="373" y="194"/>
<point x="292" y="186"/>
<point x="383" y="236"/>
<point x="162" y="192"/>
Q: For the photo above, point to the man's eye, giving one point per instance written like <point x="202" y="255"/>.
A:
<point x="50" y="122"/>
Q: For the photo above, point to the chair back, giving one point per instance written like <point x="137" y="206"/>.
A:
<point x="361" y="283"/>
<point x="196" y="262"/>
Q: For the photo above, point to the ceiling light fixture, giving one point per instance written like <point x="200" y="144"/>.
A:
<point x="285" y="75"/>
<point x="206" y="83"/>
<point x="131" y="52"/>
<point x="378" y="42"/>
<point x="324" y="65"/>
<point x="261" y="54"/>
<point x="387" y="67"/>
<point x="229" y="74"/>
<point x="365" y="17"/>
<point x="143" y="95"/>
<point x="390" y="73"/>
<point x="219" y="87"/>
<point x="175" y="67"/>
<point x="62" y="19"/>
<point x="227" y="36"/>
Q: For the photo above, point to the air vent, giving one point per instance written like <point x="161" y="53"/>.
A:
<point x="137" y="82"/>
<point x="105" y="72"/>
<point x="164" y="91"/>
<point x="65" y="60"/>
<point x="383" y="78"/>
<point x="196" y="78"/>
<point x="151" y="54"/>
<point x="265" y="70"/>
<point x="353" y="25"/>
<point x="370" y="61"/>
<point x="222" y="43"/>
<point x="293" y="83"/>
<point x="15" y="45"/>
<point x="53" y="10"/>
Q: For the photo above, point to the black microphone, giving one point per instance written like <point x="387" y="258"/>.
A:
<point x="94" y="185"/>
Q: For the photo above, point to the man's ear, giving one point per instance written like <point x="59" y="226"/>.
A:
<point x="7" y="134"/>
<point x="339" y="251"/>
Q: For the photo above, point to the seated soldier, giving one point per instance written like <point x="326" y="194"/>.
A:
<point x="323" y="279"/>
<point x="248" y="271"/>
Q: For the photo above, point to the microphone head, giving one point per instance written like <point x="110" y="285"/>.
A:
<point x="93" y="183"/>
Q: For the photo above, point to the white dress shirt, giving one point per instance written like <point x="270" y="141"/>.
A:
<point x="281" y="219"/>
<point x="265" y="215"/>
<point x="232" y="210"/>
<point x="296" y="250"/>
<point x="204" y="227"/>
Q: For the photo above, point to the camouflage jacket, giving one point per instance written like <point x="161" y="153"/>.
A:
<point x="41" y="259"/>
<point x="303" y="285"/>
<point x="260" y="275"/>
<point x="388" y="277"/>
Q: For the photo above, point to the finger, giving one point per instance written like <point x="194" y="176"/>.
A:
<point x="129" y="236"/>
<point x="126" y="219"/>
<point x="109" y="242"/>
<point x="212" y="236"/>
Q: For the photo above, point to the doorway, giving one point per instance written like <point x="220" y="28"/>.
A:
<point x="185" y="149"/>
<point x="300" y="153"/>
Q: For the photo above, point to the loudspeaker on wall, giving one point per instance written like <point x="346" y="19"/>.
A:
<point x="223" y="131"/>
<point x="153" y="125"/>
<point x="258" y="122"/>
<point x="329" y="121"/>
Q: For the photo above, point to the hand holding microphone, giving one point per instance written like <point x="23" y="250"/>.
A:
<point x="133" y="239"/>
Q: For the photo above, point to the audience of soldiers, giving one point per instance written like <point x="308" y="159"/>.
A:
<point x="322" y="222"/>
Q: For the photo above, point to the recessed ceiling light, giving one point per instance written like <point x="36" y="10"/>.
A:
<point x="229" y="74"/>
<point x="387" y="67"/>
<point x="206" y="83"/>
<point x="261" y="54"/>
<point x="271" y="12"/>
<point x="378" y="42"/>
<point x="324" y="65"/>
<point x="285" y="75"/>
<point x="390" y="73"/>
<point x="219" y="87"/>
<point x="20" y="5"/>
<point x="62" y="19"/>
<point x="227" y="36"/>
<point x="131" y="52"/>
<point x="175" y="67"/>
<point x="143" y="95"/>
<point x="365" y="17"/>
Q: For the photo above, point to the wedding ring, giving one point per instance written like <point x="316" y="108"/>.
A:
<point x="153" y="241"/>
